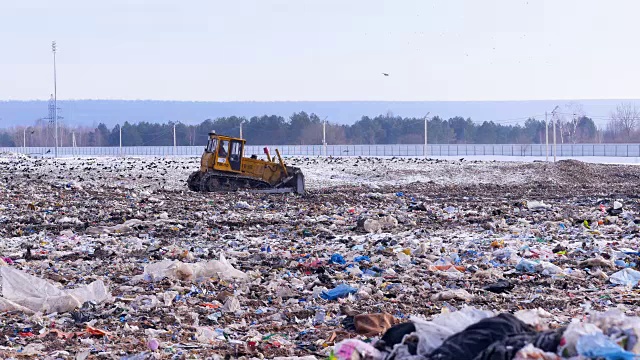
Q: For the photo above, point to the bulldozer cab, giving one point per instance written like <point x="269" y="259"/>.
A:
<point x="227" y="152"/>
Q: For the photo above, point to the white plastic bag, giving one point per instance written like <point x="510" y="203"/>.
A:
<point x="574" y="331"/>
<point x="223" y="270"/>
<point x="530" y="352"/>
<point x="175" y="269"/>
<point x="534" y="317"/>
<point x="431" y="334"/>
<point x="27" y="293"/>
<point x="627" y="277"/>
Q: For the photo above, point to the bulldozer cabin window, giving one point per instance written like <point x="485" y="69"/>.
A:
<point x="211" y="145"/>
<point x="223" y="151"/>
<point x="236" y="155"/>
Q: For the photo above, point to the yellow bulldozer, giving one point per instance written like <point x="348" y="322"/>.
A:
<point x="223" y="167"/>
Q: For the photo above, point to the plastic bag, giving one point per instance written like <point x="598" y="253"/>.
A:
<point x="489" y="339"/>
<point x="345" y="350"/>
<point x="533" y="317"/>
<point x="431" y="334"/>
<point x="458" y="294"/>
<point x="574" y="332"/>
<point x="362" y="258"/>
<point x="526" y="266"/>
<point x="206" y="335"/>
<point x="549" y="268"/>
<point x="337" y="259"/>
<point x="627" y="277"/>
<point x="601" y="347"/>
<point x="187" y="271"/>
<point x="27" y="293"/>
<point x="339" y="291"/>
<point x="537" y="205"/>
<point x="507" y="343"/>
<point x="530" y="352"/>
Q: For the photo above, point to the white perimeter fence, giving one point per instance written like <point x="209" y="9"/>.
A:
<point x="564" y="150"/>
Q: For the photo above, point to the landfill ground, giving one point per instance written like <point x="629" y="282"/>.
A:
<point x="407" y="232"/>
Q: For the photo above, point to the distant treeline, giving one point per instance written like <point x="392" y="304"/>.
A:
<point x="304" y="129"/>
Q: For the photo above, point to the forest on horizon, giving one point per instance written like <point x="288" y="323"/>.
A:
<point x="302" y="128"/>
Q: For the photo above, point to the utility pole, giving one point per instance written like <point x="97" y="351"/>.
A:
<point x="555" y="144"/>
<point x="546" y="135"/>
<point x="324" y="136"/>
<point x="174" y="139"/>
<point x="241" y="122"/>
<point x="55" y="97"/>
<point x="120" y="128"/>
<point x="24" y="138"/>
<point x="424" y="151"/>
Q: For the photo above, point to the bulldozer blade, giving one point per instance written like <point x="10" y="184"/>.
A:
<point x="296" y="180"/>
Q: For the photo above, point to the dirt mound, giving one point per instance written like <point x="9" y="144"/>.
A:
<point x="577" y="173"/>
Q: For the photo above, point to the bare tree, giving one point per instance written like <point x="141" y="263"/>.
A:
<point x="568" y="121"/>
<point x="311" y="134"/>
<point x="336" y="134"/>
<point x="624" y="121"/>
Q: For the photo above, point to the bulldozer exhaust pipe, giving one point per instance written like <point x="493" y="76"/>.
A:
<point x="281" y="162"/>
<point x="266" y="152"/>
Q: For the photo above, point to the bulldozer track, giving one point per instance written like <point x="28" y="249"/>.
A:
<point x="214" y="181"/>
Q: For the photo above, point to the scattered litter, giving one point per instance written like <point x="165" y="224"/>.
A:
<point x="115" y="258"/>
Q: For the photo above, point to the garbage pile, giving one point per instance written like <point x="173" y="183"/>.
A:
<point x="99" y="258"/>
<point x="472" y="334"/>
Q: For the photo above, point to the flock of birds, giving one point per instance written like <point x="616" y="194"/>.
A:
<point x="171" y="173"/>
<point x="159" y="173"/>
<point x="356" y="161"/>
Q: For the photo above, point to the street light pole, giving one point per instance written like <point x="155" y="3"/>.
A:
<point x="546" y="135"/>
<point x="555" y="144"/>
<point x="174" y="140"/>
<point x="324" y="136"/>
<point x="424" y="151"/>
<point x="55" y="97"/>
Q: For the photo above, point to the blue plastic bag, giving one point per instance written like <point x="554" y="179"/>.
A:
<point x="337" y="259"/>
<point x="339" y="291"/>
<point x="601" y="347"/>
<point x="526" y="266"/>
<point x="621" y="263"/>
<point x="361" y="258"/>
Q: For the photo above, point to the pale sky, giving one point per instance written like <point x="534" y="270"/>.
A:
<point x="259" y="50"/>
